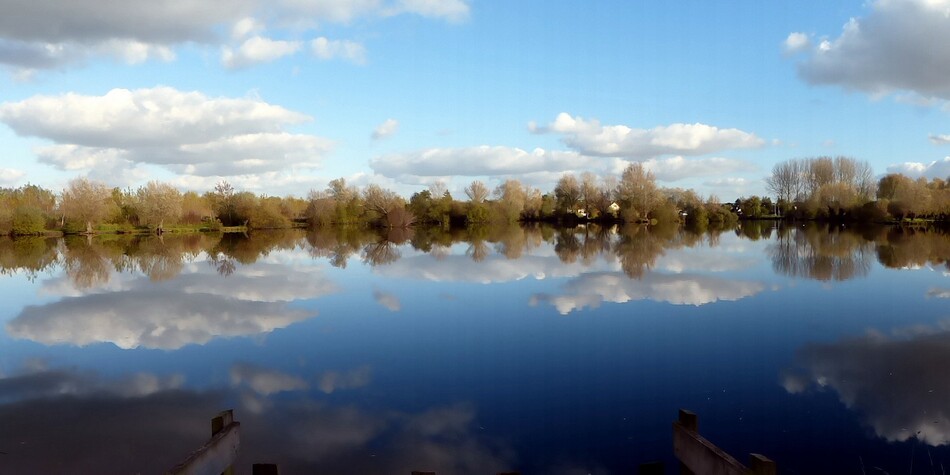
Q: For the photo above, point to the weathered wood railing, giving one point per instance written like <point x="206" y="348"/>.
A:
<point x="217" y="455"/>
<point x="697" y="455"/>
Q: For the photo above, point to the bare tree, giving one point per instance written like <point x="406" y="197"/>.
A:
<point x="568" y="193"/>
<point x="158" y="202"/>
<point x="86" y="201"/>
<point x="511" y="199"/>
<point x="637" y="192"/>
<point x="783" y="182"/>
<point x="477" y="192"/>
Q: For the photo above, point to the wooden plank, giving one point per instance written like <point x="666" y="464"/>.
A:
<point x="216" y="456"/>
<point x="699" y="455"/>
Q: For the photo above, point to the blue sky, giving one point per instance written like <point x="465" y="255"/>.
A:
<point x="280" y="97"/>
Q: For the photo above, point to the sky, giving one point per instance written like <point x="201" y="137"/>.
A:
<point x="279" y="97"/>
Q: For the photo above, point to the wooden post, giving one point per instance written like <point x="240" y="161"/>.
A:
<point x="689" y="420"/>
<point x="218" y="454"/>
<point x="761" y="465"/>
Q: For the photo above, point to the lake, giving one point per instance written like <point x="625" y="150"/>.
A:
<point x="536" y="349"/>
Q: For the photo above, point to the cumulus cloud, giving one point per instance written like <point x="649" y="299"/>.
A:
<point x="347" y="50"/>
<point x="592" y="289"/>
<point x="475" y="161"/>
<point x="47" y="34"/>
<point x="896" y="382"/>
<point x="386" y="129"/>
<point x="257" y="50"/>
<point x="796" y="43"/>
<point x="589" y="137"/>
<point x="942" y="139"/>
<point x="897" y="45"/>
<point x="185" y="132"/>
<point x="935" y="169"/>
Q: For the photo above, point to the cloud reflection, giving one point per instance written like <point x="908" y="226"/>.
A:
<point x="132" y="311"/>
<point x="162" y="318"/>
<point x="898" y="382"/>
<point x="590" y="290"/>
<point x="132" y="425"/>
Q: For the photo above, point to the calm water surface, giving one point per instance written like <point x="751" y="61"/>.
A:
<point x="542" y="350"/>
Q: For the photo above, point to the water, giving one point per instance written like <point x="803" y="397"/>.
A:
<point x="535" y="349"/>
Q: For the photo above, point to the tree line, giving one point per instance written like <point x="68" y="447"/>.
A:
<point x="844" y="189"/>
<point x="840" y="188"/>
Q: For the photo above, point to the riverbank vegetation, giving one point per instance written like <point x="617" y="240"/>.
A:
<point x="823" y="188"/>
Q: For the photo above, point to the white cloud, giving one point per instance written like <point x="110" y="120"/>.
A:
<point x="10" y="176"/>
<point x="185" y="132"/>
<point x="898" y="45"/>
<point x="677" y="168"/>
<point x="386" y="129"/>
<point x="476" y="161"/>
<point x="246" y="27"/>
<point x="326" y="49"/>
<point x="942" y="139"/>
<point x="590" y="290"/>
<point x="45" y="34"/>
<point x="589" y="137"/>
<point x="796" y="43"/>
<point x="256" y="50"/>
<point x="935" y="169"/>
<point x="728" y="182"/>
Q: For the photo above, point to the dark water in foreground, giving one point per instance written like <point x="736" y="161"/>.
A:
<point x="539" y="350"/>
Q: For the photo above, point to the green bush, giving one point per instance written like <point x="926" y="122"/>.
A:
<point x="28" y="221"/>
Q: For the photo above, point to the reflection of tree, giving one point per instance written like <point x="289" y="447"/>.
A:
<point x="29" y="254"/>
<point x="478" y="249"/>
<point x="84" y="262"/>
<point x="247" y="249"/>
<point x="755" y="229"/>
<point x="338" y="243"/>
<point x="908" y="247"/>
<point x="638" y="249"/>
<point x="821" y="253"/>
<point x="381" y="252"/>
